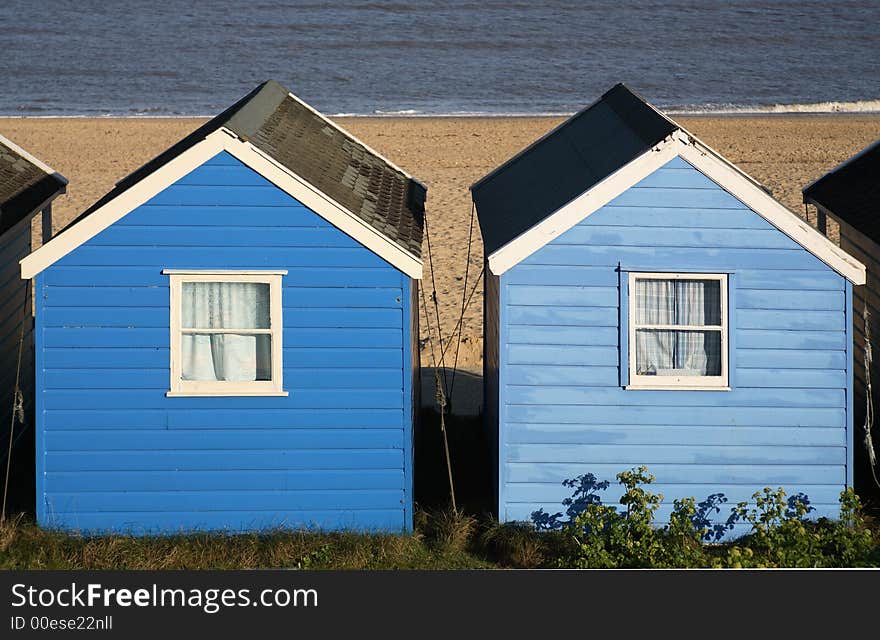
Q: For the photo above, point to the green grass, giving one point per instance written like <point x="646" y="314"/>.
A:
<point x="442" y="541"/>
<point x="23" y="545"/>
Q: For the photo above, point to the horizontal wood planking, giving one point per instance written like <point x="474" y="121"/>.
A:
<point x="607" y="376"/>
<point x="340" y="378"/>
<point x="228" y="480"/>
<point x="784" y="419"/>
<point x="662" y="453"/>
<point x="536" y="433"/>
<point x="734" y="238"/>
<point x="553" y="493"/>
<point x="709" y="474"/>
<point x="222" y="439"/>
<point x="203" y="501"/>
<point x="295" y="298"/>
<point x="135" y="399"/>
<point x="337" y="337"/>
<point x="105" y="332"/>
<point x="170" y="522"/>
<point x="691" y="414"/>
<point x="172" y="461"/>
<point x="234" y="257"/>
<point x="153" y="277"/>
<point x="709" y="260"/>
<point x="315" y="358"/>
<point x="157" y="317"/>
<point x="538" y="395"/>
<point x="220" y="418"/>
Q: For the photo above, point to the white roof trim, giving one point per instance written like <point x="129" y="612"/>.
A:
<point x="326" y="207"/>
<point x="33" y="160"/>
<point x="176" y="168"/>
<point x="353" y="137"/>
<point x="729" y="177"/>
<point x="585" y="204"/>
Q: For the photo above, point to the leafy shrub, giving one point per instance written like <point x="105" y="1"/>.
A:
<point x="780" y="534"/>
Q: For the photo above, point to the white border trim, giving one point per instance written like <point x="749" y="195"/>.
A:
<point x="762" y="203"/>
<point x="679" y="383"/>
<point x="326" y="207"/>
<point x="585" y="204"/>
<point x="349" y="135"/>
<point x="33" y="160"/>
<point x="731" y="179"/>
<point x="176" y="168"/>
<point x="178" y="387"/>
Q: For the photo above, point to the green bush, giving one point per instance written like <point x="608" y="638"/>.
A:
<point x="780" y="533"/>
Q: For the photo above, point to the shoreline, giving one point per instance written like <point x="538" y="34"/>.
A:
<point x="483" y="116"/>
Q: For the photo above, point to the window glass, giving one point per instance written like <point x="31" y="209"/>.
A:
<point x="678" y="326"/>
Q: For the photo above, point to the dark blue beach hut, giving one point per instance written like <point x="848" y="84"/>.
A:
<point x="27" y="189"/>
<point x="227" y="340"/>
<point x="847" y="201"/>
<point x="646" y="302"/>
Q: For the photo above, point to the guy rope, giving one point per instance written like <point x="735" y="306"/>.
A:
<point x="17" y="400"/>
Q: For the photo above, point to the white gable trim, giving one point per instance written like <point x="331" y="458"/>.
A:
<point x="198" y="154"/>
<point x="326" y="207"/>
<point x="762" y="203"/>
<point x="731" y="179"/>
<point x="354" y="138"/>
<point x="585" y="204"/>
<point x="34" y="161"/>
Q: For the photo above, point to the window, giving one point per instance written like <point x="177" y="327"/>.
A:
<point x="678" y="331"/>
<point x="225" y="333"/>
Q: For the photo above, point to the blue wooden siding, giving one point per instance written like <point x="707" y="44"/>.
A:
<point x="564" y="411"/>
<point x="116" y="454"/>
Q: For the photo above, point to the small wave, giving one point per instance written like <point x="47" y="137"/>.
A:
<point x="398" y="112"/>
<point x="856" y="106"/>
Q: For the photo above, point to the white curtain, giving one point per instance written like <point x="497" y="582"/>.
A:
<point x="678" y="302"/>
<point x="225" y="356"/>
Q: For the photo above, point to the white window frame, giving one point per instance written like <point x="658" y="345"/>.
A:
<point x="189" y="388"/>
<point x="691" y="383"/>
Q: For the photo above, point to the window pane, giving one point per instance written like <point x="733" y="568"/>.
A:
<point x="690" y="302"/>
<point x="226" y="356"/>
<point x="678" y="353"/>
<point x="225" y="305"/>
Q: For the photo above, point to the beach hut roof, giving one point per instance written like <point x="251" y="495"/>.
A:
<point x="320" y="163"/>
<point x="596" y="155"/>
<point x="851" y="191"/>
<point x="27" y="185"/>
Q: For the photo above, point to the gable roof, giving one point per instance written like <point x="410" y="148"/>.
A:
<point x="564" y="163"/>
<point x="27" y="185"/>
<point x="851" y="191"/>
<point x="595" y="156"/>
<point x="324" y="164"/>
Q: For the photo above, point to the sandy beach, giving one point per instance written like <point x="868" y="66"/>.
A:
<point x="782" y="152"/>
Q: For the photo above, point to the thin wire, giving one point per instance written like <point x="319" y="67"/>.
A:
<point x="436" y="308"/>
<point x="17" y="400"/>
<point x="467" y="267"/>
<point x="438" y="384"/>
<point x="869" y="400"/>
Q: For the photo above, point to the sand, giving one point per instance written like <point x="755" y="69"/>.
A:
<point x="448" y="154"/>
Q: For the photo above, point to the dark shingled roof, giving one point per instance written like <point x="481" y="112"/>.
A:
<point x="24" y="185"/>
<point x="851" y="191"/>
<point x="580" y="153"/>
<point x="318" y="151"/>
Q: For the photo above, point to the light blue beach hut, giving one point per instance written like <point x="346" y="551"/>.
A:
<point x="28" y="187"/>
<point x="646" y="302"/>
<point x="226" y="341"/>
